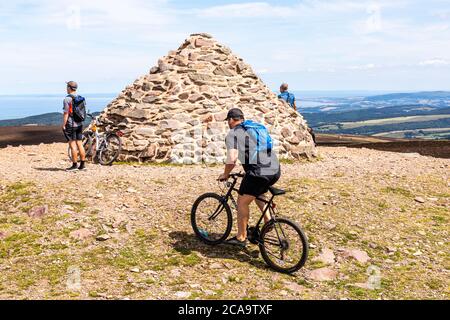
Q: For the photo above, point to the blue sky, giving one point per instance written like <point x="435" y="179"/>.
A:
<point x="396" y="45"/>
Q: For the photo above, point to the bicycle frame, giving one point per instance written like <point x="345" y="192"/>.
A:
<point x="229" y="195"/>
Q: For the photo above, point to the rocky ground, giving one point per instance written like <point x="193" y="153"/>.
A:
<point x="377" y="223"/>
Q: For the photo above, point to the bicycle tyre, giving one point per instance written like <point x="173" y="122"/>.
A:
<point x="220" y="201"/>
<point x="269" y="227"/>
<point x="110" y="160"/>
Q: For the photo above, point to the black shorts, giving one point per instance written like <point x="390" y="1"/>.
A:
<point x="73" y="133"/>
<point x="255" y="185"/>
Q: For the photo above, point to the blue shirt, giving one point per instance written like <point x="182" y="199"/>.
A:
<point x="288" y="97"/>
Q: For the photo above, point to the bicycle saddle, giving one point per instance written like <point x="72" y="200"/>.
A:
<point x="276" y="192"/>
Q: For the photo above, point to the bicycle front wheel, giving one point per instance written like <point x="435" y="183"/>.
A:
<point x="211" y="218"/>
<point x="109" y="149"/>
<point x="283" y="245"/>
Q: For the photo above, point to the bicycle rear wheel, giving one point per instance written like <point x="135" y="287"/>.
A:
<point x="211" y="218"/>
<point x="283" y="245"/>
<point x="109" y="149"/>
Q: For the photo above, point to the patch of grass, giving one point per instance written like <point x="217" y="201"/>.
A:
<point x="77" y="205"/>
<point x="439" y="219"/>
<point x="338" y="174"/>
<point x="398" y="191"/>
<point x="93" y="294"/>
<point x="20" y="244"/>
<point x="435" y="284"/>
<point x="25" y="278"/>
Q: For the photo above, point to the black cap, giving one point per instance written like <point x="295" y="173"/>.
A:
<point x="235" y="113"/>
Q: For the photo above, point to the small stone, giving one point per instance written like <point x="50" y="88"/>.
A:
<point x="391" y="249"/>
<point x="323" y="274"/>
<point x="209" y="292"/>
<point x="417" y="253"/>
<point x="373" y="245"/>
<point x="326" y="256"/>
<point x="150" y="272"/>
<point x="38" y="212"/>
<point x="216" y="265"/>
<point x="312" y="246"/>
<point x="67" y="209"/>
<point x="358" y="255"/>
<point x="80" y="234"/>
<point x="99" y="196"/>
<point x="175" y="273"/>
<point x="131" y="190"/>
<point x="182" y="294"/>
<point x="419" y="199"/>
<point x="103" y="237"/>
<point x="293" y="286"/>
<point x="284" y="293"/>
<point x="135" y="270"/>
<point x="422" y="233"/>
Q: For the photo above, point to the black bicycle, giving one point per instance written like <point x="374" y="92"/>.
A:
<point x="283" y="244"/>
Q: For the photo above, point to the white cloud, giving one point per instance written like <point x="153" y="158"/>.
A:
<point x="363" y="67"/>
<point x="435" y="62"/>
<point x="241" y="10"/>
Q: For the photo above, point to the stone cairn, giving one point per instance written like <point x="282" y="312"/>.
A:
<point x="176" y="112"/>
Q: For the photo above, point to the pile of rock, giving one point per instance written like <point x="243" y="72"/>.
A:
<point x="175" y="112"/>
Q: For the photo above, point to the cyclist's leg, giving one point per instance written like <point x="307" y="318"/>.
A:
<point x="74" y="149"/>
<point x="243" y="215"/>
<point x="81" y="149"/>
<point x="79" y="142"/>
<point x="261" y="205"/>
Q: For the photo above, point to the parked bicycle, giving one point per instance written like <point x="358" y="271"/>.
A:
<point x="283" y="244"/>
<point x="103" y="147"/>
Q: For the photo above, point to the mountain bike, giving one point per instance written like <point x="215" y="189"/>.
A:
<point x="103" y="147"/>
<point x="282" y="243"/>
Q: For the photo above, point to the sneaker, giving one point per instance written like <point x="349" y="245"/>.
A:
<point x="82" y="167"/>
<point x="74" y="167"/>
<point x="235" y="242"/>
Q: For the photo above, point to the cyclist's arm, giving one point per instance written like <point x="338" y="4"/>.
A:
<point x="232" y="156"/>
<point x="65" y="118"/>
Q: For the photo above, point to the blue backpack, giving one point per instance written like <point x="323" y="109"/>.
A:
<point x="260" y="135"/>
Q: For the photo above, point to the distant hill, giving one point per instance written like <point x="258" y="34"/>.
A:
<point x="415" y="96"/>
<point x="318" y="119"/>
<point x="47" y="119"/>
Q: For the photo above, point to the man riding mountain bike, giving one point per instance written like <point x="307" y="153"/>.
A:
<point x="249" y="142"/>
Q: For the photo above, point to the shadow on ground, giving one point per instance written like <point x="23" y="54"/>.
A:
<point x="186" y="243"/>
<point x="49" y="169"/>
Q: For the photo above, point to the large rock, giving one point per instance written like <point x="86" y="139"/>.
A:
<point x="38" y="212"/>
<point x="192" y="88"/>
<point x="323" y="274"/>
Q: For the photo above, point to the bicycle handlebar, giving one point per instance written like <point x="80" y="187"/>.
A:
<point x="237" y="175"/>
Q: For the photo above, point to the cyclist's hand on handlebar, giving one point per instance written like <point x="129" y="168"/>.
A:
<point x="223" y="177"/>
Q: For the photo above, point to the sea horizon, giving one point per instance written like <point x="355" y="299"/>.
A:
<point x="18" y="106"/>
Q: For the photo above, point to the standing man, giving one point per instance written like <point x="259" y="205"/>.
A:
<point x="72" y="125"/>
<point x="290" y="99"/>
<point x="287" y="96"/>
<point x="261" y="166"/>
